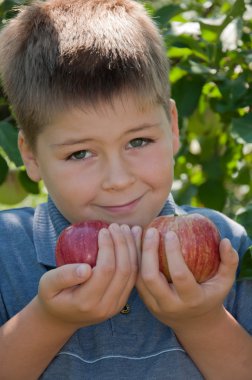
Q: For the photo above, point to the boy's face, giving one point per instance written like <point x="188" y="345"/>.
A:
<point x="114" y="163"/>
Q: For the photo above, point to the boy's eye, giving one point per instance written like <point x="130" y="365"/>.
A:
<point x="139" y="142"/>
<point x="80" y="155"/>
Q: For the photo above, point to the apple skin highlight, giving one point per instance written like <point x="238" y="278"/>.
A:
<point x="199" y="240"/>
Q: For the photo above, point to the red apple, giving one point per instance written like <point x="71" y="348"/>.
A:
<point x="78" y="243"/>
<point x="199" y="240"/>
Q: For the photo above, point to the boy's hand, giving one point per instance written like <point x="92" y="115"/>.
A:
<point x="184" y="302"/>
<point x="82" y="296"/>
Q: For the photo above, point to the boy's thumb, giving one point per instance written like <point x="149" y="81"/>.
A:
<point x="66" y="276"/>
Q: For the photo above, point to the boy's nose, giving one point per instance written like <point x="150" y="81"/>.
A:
<point x="117" y="174"/>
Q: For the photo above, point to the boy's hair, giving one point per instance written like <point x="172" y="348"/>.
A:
<point x="60" y="53"/>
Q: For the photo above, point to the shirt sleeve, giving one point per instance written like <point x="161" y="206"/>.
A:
<point x="3" y="312"/>
<point x="243" y="300"/>
<point x="15" y="243"/>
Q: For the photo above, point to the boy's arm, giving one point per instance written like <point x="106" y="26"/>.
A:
<point x="69" y="297"/>
<point x="214" y="340"/>
<point x="29" y="341"/>
<point x="219" y="346"/>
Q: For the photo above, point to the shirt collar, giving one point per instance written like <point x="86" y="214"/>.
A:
<point x="170" y="208"/>
<point x="49" y="223"/>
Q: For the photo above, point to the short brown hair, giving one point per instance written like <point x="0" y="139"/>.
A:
<point x="60" y="53"/>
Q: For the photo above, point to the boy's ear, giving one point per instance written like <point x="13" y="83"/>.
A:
<point x="29" y="158"/>
<point x="174" y="126"/>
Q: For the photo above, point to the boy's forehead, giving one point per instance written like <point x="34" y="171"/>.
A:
<point x="129" y="105"/>
<point x="127" y="110"/>
<point x="120" y="103"/>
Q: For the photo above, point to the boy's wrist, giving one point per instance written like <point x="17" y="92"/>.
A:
<point x="206" y="323"/>
<point x="50" y="320"/>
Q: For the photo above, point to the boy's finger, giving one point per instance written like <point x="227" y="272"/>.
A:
<point x="106" y="255"/>
<point x="122" y="258"/>
<point x="105" y="264"/>
<point x="133" y="261"/>
<point x="132" y="248"/>
<point x="229" y="260"/>
<point x="125" y="264"/>
<point x="66" y="276"/>
<point x="150" y="277"/>
<point x="182" y="278"/>
<point x="115" y="290"/>
<point x="137" y="233"/>
<point x="149" y="259"/>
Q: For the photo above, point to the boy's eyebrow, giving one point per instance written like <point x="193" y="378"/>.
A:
<point x="139" y="128"/>
<point x="71" y="142"/>
<point x="143" y="127"/>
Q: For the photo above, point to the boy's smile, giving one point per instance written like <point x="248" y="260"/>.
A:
<point x="113" y="162"/>
<point x="126" y="207"/>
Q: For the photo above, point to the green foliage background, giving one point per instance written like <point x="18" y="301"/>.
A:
<point x="209" y="45"/>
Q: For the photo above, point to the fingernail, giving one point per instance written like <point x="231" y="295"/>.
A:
<point x="104" y="232"/>
<point x="114" y="227"/>
<point x="171" y="236"/>
<point x="125" y="228"/>
<point x="136" y="230"/>
<point x="81" y="270"/>
<point x="150" y="233"/>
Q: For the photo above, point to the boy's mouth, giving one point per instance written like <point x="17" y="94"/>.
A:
<point x="122" y="208"/>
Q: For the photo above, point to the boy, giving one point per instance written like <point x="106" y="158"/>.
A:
<point x="88" y="83"/>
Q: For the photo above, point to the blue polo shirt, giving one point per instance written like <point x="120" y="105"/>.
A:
<point x="134" y="345"/>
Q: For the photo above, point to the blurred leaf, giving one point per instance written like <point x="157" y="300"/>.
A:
<point x="29" y="185"/>
<point x="204" y="124"/>
<point x="209" y="32"/>
<point x="211" y="29"/>
<point x="6" y="5"/>
<point x="243" y="127"/>
<point x="179" y="52"/>
<point x="176" y="73"/>
<point x="186" y="193"/>
<point x="186" y="42"/>
<point x="3" y="169"/>
<point x="7" y="8"/>
<point x="198" y="68"/>
<point x="164" y="14"/>
<point x="236" y="10"/>
<point x="243" y="176"/>
<point x="213" y="194"/>
<point x="11" y="190"/>
<point x="149" y="7"/>
<point x="245" y="219"/>
<point x="186" y="93"/>
<point x="8" y="141"/>
<point x="213" y="168"/>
